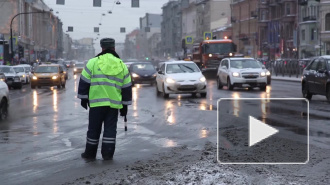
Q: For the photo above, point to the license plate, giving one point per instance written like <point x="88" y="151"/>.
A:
<point x="16" y="80"/>
<point x="251" y="81"/>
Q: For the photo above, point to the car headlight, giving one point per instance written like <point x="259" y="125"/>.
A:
<point x="23" y="76"/>
<point x="210" y="55"/>
<point x="202" y="79"/>
<point x="34" y="78"/>
<point x="268" y="73"/>
<point x="231" y="54"/>
<point x="235" y="74"/>
<point x="75" y="69"/>
<point x="54" y="77"/>
<point x="262" y="74"/>
<point x="170" y="80"/>
<point x="154" y="75"/>
<point x="134" y="75"/>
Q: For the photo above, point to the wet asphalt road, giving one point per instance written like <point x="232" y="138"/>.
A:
<point x="43" y="137"/>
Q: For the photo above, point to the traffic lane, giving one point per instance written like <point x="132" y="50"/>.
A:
<point x="54" y="141"/>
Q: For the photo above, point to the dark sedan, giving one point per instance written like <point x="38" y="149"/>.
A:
<point x="316" y="78"/>
<point x="143" y="73"/>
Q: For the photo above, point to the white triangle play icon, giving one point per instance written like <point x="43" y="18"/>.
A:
<point x="259" y="131"/>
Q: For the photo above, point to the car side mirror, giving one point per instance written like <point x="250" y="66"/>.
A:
<point x="160" y="72"/>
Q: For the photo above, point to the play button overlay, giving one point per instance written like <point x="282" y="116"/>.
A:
<point x="259" y="131"/>
<point x="263" y="131"/>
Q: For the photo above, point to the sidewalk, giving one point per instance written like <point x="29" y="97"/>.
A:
<point x="287" y="78"/>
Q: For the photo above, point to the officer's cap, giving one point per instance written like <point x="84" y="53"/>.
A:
<point x="107" y="43"/>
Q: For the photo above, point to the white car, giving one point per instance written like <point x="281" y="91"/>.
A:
<point x="180" y="77"/>
<point x="20" y="71"/>
<point x="4" y="100"/>
<point x="241" y="72"/>
<point x="28" y="70"/>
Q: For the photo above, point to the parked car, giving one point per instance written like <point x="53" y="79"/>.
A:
<point x="241" y="72"/>
<point x="180" y="77"/>
<point x="48" y="75"/>
<point x="78" y="68"/>
<point x="143" y="73"/>
<point x="21" y="72"/>
<point x="4" y="100"/>
<point x="12" y="79"/>
<point x="316" y="78"/>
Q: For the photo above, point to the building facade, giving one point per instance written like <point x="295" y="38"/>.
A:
<point x="324" y="21"/>
<point x="171" y="29"/>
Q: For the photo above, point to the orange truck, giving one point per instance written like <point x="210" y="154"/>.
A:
<point x="208" y="54"/>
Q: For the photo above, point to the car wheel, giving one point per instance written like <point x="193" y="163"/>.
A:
<point x="203" y="95"/>
<point x="229" y="86"/>
<point x="219" y="84"/>
<point x="263" y="88"/>
<point x="39" y="87"/>
<point x="3" y="109"/>
<point x="59" y="86"/>
<point x="26" y="80"/>
<point x="165" y="95"/>
<point x="64" y="84"/>
<point x="305" y="91"/>
<point x="19" y="86"/>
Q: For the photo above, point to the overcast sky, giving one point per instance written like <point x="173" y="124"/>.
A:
<point x="84" y="17"/>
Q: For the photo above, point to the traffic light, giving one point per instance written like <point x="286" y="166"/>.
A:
<point x="96" y="29"/>
<point x="97" y="3"/>
<point x="135" y="4"/>
<point x="147" y="58"/>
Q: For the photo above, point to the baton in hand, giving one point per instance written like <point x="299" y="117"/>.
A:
<point x="125" y="120"/>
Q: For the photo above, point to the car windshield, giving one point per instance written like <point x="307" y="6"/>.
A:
<point x="6" y="70"/>
<point x="19" y="69"/>
<point x="182" y="68"/>
<point x="220" y="48"/>
<point x="47" y="69"/>
<point x="79" y="65"/>
<point x="27" y="69"/>
<point x="143" y="67"/>
<point x="243" y="64"/>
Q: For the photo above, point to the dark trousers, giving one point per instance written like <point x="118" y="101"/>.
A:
<point x="98" y="116"/>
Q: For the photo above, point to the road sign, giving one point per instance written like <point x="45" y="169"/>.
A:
<point x="207" y="35"/>
<point x="189" y="40"/>
<point x="122" y="30"/>
<point x="70" y="29"/>
<point x="60" y="2"/>
<point x="96" y="29"/>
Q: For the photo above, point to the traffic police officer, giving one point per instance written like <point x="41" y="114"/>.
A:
<point x="105" y="86"/>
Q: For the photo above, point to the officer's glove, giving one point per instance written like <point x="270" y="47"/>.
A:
<point x="123" y="111"/>
<point x="84" y="103"/>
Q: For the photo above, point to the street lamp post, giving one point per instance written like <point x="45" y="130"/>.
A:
<point x="11" y="29"/>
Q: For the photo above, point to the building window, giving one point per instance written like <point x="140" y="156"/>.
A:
<point x="327" y="22"/>
<point x="287" y="9"/>
<point x="312" y="34"/>
<point x="302" y="34"/>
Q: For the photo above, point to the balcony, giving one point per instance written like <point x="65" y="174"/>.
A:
<point x="309" y="18"/>
<point x="302" y="2"/>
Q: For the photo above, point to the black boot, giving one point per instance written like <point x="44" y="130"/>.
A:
<point x="108" y="154"/>
<point x="90" y="152"/>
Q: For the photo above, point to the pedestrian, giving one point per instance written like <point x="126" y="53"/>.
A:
<point x="105" y="86"/>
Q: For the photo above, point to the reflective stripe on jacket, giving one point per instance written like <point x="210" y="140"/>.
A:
<point x="105" y="81"/>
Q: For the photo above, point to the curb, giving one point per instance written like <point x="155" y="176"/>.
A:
<point x="286" y="79"/>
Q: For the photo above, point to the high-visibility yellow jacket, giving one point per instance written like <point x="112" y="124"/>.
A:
<point x="105" y="81"/>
